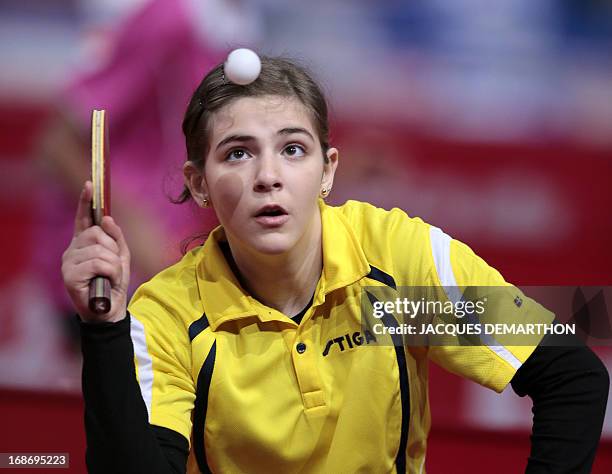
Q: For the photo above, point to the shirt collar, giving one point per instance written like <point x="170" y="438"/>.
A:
<point x="223" y="299"/>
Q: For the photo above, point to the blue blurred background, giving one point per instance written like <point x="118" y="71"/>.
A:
<point x="491" y="120"/>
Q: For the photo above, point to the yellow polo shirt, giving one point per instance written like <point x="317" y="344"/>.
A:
<point x="254" y="391"/>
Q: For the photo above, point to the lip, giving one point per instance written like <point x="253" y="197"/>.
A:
<point x="271" y="221"/>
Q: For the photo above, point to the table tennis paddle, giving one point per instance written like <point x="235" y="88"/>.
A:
<point x="99" y="287"/>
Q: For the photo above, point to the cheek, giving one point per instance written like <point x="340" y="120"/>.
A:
<point x="227" y="192"/>
<point x="306" y="188"/>
<point x="310" y="182"/>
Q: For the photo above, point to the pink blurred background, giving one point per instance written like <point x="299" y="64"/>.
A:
<point x="491" y="120"/>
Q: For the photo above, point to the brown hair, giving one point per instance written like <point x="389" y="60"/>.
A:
<point x="278" y="77"/>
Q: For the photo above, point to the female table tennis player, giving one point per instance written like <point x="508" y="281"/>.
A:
<point x="248" y="355"/>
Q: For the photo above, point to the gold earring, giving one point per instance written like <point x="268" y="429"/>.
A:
<point x="325" y="192"/>
<point x="205" y="202"/>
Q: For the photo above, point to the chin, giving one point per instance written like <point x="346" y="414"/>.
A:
<point x="272" y="244"/>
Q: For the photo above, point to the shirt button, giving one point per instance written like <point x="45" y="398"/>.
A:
<point x="300" y="347"/>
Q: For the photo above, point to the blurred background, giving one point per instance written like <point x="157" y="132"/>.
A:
<point x="491" y="120"/>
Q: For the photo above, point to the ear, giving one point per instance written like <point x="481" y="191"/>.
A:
<point x="196" y="182"/>
<point x="329" y="169"/>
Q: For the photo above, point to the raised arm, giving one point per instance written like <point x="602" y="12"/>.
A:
<point x="119" y="436"/>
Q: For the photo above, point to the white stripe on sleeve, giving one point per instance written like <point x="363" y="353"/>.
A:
<point x="145" y="364"/>
<point x="440" y="247"/>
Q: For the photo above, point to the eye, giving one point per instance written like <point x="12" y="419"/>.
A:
<point x="294" y="151"/>
<point x="236" y="154"/>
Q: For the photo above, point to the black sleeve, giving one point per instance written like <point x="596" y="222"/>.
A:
<point x="569" y="388"/>
<point x="119" y="436"/>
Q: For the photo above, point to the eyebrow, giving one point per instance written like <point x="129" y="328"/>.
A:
<point x="291" y="130"/>
<point x="248" y="138"/>
<point x="235" y="138"/>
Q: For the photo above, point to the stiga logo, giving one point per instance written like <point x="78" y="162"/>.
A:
<point x="348" y="341"/>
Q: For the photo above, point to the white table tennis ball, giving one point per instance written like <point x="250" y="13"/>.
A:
<point x="242" y="66"/>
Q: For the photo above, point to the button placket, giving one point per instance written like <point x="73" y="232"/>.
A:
<point x="306" y="370"/>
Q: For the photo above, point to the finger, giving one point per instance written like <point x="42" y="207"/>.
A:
<point x="111" y="228"/>
<point x="95" y="252"/>
<point x="83" y="218"/>
<point x="98" y="267"/>
<point x="95" y="235"/>
<point x="76" y="257"/>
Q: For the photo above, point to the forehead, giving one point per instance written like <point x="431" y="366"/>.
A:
<point x="260" y="114"/>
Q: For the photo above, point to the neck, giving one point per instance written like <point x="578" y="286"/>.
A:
<point x="287" y="281"/>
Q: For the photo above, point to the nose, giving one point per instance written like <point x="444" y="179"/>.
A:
<point x="267" y="173"/>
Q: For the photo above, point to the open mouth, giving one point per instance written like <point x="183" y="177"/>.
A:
<point x="271" y="216"/>
<point x="271" y="211"/>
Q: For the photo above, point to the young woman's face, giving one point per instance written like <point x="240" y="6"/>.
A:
<point x="264" y="173"/>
